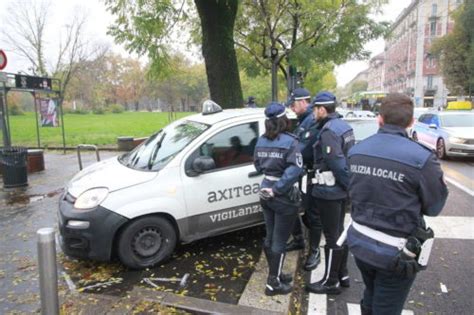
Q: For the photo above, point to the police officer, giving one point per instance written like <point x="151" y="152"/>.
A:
<point x="394" y="181"/>
<point x="330" y="189"/>
<point x="277" y="156"/>
<point x="307" y="132"/>
<point x="251" y="102"/>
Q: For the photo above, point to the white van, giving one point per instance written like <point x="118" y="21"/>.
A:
<point x="188" y="181"/>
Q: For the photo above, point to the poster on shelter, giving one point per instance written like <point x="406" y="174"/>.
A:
<point x="48" y="108"/>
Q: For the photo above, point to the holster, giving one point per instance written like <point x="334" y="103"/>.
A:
<point x="426" y="238"/>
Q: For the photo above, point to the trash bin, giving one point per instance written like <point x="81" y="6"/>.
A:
<point x="13" y="162"/>
<point x="125" y="143"/>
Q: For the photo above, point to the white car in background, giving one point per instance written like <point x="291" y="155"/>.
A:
<point x="450" y="133"/>
<point x="360" y="114"/>
<point x="417" y="112"/>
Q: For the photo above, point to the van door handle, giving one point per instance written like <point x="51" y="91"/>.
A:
<point x="254" y="174"/>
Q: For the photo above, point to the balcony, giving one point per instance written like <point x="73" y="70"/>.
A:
<point x="430" y="90"/>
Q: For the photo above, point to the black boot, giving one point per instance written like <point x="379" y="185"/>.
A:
<point x="344" y="279"/>
<point x="297" y="243"/>
<point x="314" y="255"/>
<point x="330" y="282"/>
<point x="284" y="277"/>
<point x="364" y="310"/>
<point x="274" y="285"/>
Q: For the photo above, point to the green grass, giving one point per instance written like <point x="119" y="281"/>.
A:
<point x="101" y="130"/>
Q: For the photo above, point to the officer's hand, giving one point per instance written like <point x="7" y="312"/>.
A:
<point x="406" y="266"/>
<point x="266" y="193"/>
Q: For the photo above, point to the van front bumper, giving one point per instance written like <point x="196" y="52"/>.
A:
<point x="87" y="233"/>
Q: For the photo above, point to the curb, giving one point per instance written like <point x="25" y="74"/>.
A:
<point x="254" y="296"/>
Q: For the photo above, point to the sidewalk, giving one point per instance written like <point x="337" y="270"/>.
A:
<point x="47" y="185"/>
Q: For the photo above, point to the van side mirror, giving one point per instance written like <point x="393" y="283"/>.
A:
<point x="433" y="126"/>
<point x="202" y="164"/>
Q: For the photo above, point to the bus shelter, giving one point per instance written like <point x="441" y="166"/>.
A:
<point x="47" y="98"/>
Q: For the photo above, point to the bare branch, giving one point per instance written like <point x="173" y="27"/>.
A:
<point x="254" y="54"/>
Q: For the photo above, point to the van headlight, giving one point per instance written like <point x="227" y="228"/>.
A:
<point x="91" y="198"/>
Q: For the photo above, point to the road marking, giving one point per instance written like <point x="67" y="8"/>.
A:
<point x="443" y="288"/>
<point x="460" y="186"/>
<point x="354" y="309"/>
<point x="452" y="227"/>
<point x="317" y="303"/>
<point x="447" y="227"/>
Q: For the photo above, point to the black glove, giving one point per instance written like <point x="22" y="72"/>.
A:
<point x="405" y="265"/>
<point x="294" y="194"/>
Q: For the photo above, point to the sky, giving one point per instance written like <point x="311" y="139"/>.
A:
<point x="98" y="20"/>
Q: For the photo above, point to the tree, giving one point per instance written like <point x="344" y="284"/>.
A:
<point x="217" y="24"/>
<point x="301" y="32"/>
<point x="320" y="77"/>
<point x="258" y="87"/>
<point x="149" y="26"/>
<point x="359" y="86"/>
<point x="456" y="52"/>
<point x="25" y="30"/>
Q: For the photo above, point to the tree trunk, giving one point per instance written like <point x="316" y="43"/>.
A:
<point x="217" y="23"/>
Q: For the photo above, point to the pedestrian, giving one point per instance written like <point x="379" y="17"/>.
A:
<point x="307" y="132"/>
<point x="394" y="181"/>
<point x="251" y="102"/>
<point x="277" y="156"/>
<point x="329" y="190"/>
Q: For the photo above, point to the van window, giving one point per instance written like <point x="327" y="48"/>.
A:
<point x="233" y="146"/>
<point x="161" y="147"/>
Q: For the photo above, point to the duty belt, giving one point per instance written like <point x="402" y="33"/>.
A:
<point x="398" y="242"/>
<point x="272" y="178"/>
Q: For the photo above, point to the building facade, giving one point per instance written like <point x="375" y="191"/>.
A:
<point x="376" y="73"/>
<point x="408" y="66"/>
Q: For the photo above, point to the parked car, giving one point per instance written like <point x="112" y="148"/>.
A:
<point x="417" y="112"/>
<point x="360" y="114"/>
<point x="450" y="133"/>
<point x="188" y="181"/>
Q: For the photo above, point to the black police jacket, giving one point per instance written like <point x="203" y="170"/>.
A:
<point x="394" y="181"/>
<point x="307" y="133"/>
<point x="335" y="139"/>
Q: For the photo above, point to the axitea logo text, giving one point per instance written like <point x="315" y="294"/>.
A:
<point x="233" y="192"/>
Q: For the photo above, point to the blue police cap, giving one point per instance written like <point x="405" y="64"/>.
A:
<point x="297" y="94"/>
<point x="275" y="110"/>
<point x="325" y="99"/>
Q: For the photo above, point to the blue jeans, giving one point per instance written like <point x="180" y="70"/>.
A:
<point x="385" y="293"/>
<point x="279" y="222"/>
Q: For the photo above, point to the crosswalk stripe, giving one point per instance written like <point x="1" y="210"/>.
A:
<point x="460" y="186"/>
<point x="452" y="227"/>
<point x="354" y="309"/>
<point x="317" y="303"/>
<point x="449" y="227"/>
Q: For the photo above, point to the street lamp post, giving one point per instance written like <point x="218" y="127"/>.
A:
<point x="274" y="56"/>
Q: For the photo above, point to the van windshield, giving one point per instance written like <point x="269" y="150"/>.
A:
<point x="161" y="147"/>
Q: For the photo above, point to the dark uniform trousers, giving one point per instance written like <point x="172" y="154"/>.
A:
<point x="385" y="292"/>
<point x="330" y="214"/>
<point x="280" y="216"/>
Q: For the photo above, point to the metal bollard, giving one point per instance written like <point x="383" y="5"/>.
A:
<point x="48" y="271"/>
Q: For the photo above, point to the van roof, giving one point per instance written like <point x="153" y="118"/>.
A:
<point x="226" y="114"/>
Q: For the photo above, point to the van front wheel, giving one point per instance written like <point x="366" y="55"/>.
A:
<point x="146" y="242"/>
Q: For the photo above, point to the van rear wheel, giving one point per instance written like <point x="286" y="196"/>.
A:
<point x="146" y="242"/>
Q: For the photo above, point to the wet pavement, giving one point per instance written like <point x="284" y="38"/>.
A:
<point x="219" y="267"/>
